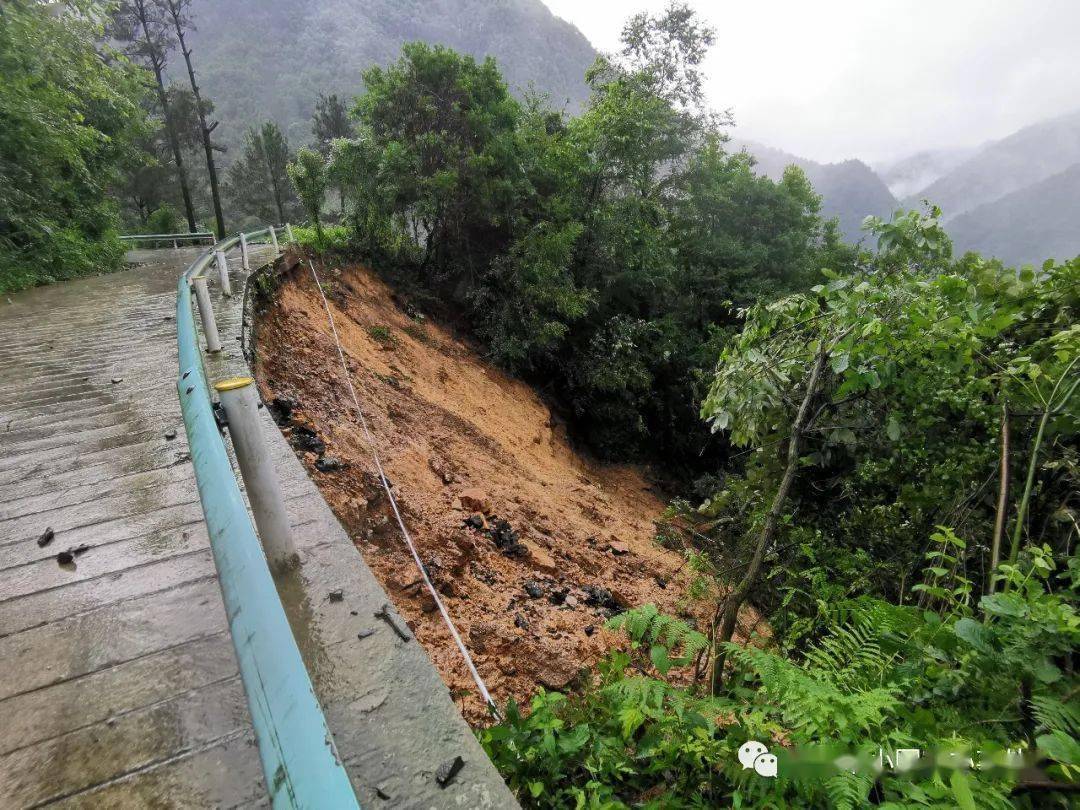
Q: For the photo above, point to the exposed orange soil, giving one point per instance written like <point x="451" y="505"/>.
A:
<point x="447" y="423"/>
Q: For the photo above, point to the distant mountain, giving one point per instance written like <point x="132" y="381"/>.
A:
<point x="849" y="190"/>
<point x="907" y="176"/>
<point x="1028" y="226"/>
<point x="1001" y="167"/>
<point x="260" y="59"/>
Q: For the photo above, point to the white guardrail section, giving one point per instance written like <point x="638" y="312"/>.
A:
<point x="299" y="760"/>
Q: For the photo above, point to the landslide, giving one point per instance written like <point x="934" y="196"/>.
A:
<point x="532" y="544"/>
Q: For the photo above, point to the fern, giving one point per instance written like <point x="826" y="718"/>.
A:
<point x="850" y="655"/>
<point x="816" y="698"/>
<point x="847" y="791"/>
<point x="664" y="634"/>
<point x="1053" y="715"/>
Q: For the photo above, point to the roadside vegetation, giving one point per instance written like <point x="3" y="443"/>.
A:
<point x="874" y="444"/>
<point x="70" y="117"/>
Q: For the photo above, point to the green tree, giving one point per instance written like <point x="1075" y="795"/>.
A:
<point x="329" y="122"/>
<point x="142" y="25"/>
<point x="604" y="254"/>
<point x="258" y="182"/>
<point x="70" y="116"/>
<point x="308" y="176"/>
<point x="178" y="12"/>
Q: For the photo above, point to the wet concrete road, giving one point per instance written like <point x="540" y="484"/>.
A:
<point x="118" y="681"/>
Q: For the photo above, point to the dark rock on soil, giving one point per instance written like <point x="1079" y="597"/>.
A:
<point x="328" y="464"/>
<point x="506" y="539"/>
<point x="533" y="589"/>
<point x="596" y="596"/>
<point x="304" y="438"/>
<point x="281" y="409"/>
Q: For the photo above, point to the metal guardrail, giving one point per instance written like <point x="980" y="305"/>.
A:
<point x="169" y="237"/>
<point x="298" y="757"/>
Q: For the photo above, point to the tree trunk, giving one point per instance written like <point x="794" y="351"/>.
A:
<point x="156" y="61"/>
<point x="736" y="598"/>
<point x="1003" y="498"/>
<point x="211" y="168"/>
<point x="274" y="185"/>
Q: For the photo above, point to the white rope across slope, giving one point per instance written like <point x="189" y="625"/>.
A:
<point x="393" y="503"/>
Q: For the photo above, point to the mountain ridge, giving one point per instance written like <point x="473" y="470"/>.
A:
<point x="998" y="168"/>
<point x="323" y="46"/>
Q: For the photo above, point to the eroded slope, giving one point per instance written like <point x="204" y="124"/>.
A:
<point x="458" y="437"/>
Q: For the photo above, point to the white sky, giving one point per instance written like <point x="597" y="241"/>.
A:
<point x="875" y="79"/>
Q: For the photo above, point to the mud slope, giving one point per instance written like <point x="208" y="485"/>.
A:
<point x="459" y="437"/>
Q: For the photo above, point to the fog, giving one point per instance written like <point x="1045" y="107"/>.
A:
<point x="839" y="78"/>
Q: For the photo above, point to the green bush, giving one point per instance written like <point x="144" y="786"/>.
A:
<point x="71" y="113"/>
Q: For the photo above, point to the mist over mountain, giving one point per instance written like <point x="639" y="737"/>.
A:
<point x="1001" y="167"/>
<point x="909" y="175"/>
<point x="270" y="59"/>
<point x="850" y="190"/>
<point x="1038" y="222"/>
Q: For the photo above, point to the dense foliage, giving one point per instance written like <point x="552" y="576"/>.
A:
<point x="603" y="254"/>
<point x="892" y="626"/>
<point x="69" y="118"/>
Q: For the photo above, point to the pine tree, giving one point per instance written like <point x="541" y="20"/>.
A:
<point x="258" y="182"/>
<point x="140" y="24"/>
<point x="330" y="121"/>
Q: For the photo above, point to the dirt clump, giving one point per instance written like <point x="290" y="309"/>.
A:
<point x="506" y="515"/>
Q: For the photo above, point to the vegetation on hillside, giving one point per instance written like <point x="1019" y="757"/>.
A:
<point x="604" y="254"/>
<point x="912" y="605"/>
<point x="884" y="444"/>
<point x="878" y="449"/>
<point x="70" y="118"/>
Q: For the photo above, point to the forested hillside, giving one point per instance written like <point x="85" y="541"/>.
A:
<point x="910" y="175"/>
<point x="70" y="123"/>
<point x="873" y="445"/>
<point x="270" y="59"/>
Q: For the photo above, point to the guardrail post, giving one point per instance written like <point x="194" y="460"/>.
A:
<point x="206" y="313"/>
<point x="244" y="252"/>
<point x="240" y="401"/>
<point x="273" y="238"/>
<point x="223" y="271"/>
<point x="288" y="232"/>
<point x="174" y="245"/>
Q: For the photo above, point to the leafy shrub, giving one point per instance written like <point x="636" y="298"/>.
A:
<point x="71" y="115"/>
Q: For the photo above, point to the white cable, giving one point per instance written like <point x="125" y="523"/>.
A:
<point x="393" y="503"/>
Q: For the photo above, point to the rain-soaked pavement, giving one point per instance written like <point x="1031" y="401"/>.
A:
<point x="118" y="681"/>
<point x="119" y="684"/>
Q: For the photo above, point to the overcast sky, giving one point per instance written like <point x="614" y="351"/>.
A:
<point x="875" y="79"/>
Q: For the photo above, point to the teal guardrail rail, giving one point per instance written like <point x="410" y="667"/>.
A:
<point x="299" y="760"/>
